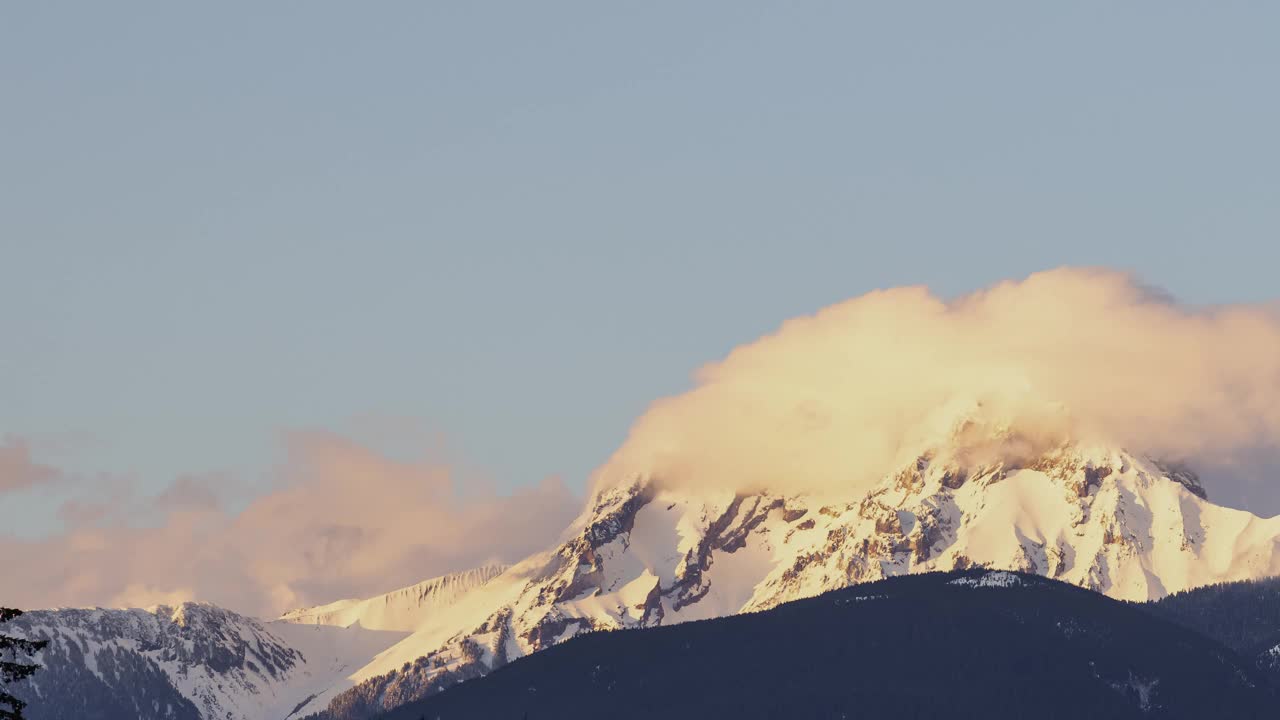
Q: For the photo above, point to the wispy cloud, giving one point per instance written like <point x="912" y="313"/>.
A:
<point x="17" y="469"/>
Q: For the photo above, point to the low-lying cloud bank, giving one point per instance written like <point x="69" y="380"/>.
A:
<point x="343" y="522"/>
<point x="832" y="401"/>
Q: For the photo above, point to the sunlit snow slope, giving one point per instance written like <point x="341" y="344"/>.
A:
<point x="402" y="609"/>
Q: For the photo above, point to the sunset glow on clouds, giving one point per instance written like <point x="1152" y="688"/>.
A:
<point x="828" y="403"/>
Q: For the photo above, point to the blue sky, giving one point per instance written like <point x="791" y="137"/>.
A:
<point x="498" y="231"/>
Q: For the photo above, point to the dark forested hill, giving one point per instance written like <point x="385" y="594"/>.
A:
<point x="1244" y="616"/>
<point x="965" y="644"/>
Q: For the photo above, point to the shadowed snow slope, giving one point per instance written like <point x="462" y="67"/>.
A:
<point x="183" y="663"/>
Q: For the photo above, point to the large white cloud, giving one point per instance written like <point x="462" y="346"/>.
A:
<point x="832" y="401"/>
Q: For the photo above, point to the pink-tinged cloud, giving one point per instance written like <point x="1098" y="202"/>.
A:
<point x="343" y="522"/>
<point x="17" y="469"/>
<point x="191" y="492"/>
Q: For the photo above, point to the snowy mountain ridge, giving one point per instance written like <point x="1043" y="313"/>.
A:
<point x="189" y="661"/>
<point x="401" y="610"/>
<point x="197" y="661"/>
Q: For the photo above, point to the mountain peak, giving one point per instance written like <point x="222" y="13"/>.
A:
<point x="191" y="613"/>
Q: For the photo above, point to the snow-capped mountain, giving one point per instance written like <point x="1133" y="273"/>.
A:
<point x="187" y="662"/>
<point x="199" y="662"/>
<point x="645" y="554"/>
<point x="403" y="609"/>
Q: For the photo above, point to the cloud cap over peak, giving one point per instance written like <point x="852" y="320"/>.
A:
<point x="832" y="401"/>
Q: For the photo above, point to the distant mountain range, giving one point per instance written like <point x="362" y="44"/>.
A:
<point x="190" y="662"/>
<point x="645" y="553"/>
<point x="198" y="661"/>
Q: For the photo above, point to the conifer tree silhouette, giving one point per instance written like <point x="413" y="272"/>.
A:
<point x="13" y="668"/>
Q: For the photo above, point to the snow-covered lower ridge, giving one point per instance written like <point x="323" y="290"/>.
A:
<point x="199" y="661"/>
<point x="993" y="578"/>
<point x="1270" y="658"/>
<point x="644" y="554"/>
<point x="193" y="661"/>
<point x="401" y="610"/>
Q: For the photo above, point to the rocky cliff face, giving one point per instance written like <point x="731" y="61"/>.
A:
<point x="1096" y="517"/>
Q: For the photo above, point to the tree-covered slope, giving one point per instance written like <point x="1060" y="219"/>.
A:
<point x="1244" y="616"/>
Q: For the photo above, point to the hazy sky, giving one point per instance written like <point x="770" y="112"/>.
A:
<point x="493" y="233"/>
